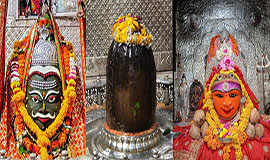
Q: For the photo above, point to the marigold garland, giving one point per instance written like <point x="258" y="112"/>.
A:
<point x="128" y="29"/>
<point x="216" y="128"/>
<point x="33" y="147"/>
<point x="212" y="46"/>
<point x="235" y="47"/>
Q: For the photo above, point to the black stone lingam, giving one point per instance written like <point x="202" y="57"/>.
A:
<point x="131" y="88"/>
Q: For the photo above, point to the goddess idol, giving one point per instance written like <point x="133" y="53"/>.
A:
<point x="43" y="110"/>
<point x="228" y="124"/>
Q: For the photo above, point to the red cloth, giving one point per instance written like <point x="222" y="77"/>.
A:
<point x="186" y="148"/>
<point x="3" y="18"/>
<point x="83" y="43"/>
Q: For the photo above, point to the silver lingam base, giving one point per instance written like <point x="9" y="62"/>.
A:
<point x="127" y="144"/>
<point x="104" y="145"/>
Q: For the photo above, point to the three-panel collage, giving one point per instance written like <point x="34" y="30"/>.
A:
<point x="135" y="80"/>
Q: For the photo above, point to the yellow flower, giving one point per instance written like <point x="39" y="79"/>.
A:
<point x="143" y="31"/>
<point x="15" y="84"/>
<point x="44" y="153"/>
<point x="72" y="54"/>
<point x="127" y="29"/>
<point x="215" y="131"/>
<point x="72" y="82"/>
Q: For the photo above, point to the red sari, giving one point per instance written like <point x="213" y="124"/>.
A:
<point x="184" y="147"/>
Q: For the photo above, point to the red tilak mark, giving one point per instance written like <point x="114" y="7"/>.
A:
<point x="44" y="75"/>
<point x="35" y="97"/>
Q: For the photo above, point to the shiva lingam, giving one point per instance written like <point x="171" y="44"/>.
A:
<point x="131" y="129"/>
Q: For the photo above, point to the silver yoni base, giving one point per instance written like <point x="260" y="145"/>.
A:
<point x="127" y="144"/>
<point x="105" y="145"/>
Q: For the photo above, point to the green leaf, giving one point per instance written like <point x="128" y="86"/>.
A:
<point x="55" y="149"/>
<point x="47" y="16"/>
<point x="166" y="132"/>
<point x="137" y="106"/>
<point x="134" y="111"/>
<point x="21" y="150"/>
<point x="47" y="25"/>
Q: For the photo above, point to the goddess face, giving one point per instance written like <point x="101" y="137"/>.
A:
<point x="43" y="97"/>
<point x="226" y="98"/>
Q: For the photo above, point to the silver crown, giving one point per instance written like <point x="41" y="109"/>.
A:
<point x="44" y="52"/>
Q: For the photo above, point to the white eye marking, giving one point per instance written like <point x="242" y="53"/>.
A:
<point x="51" y="99"/>
<point x="37" y="92"/>
<point x="35" y="99"/>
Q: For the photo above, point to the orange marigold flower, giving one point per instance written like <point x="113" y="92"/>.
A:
<point x="212" y="46"/>
<point x="208" y="131"/>
<point x="214" y="147"/>
<point x="206" y="138"/>
<point x="226" y="156"/>
<point x="37" y="149"/>
<point x="62" y="138"/>
<point x="65" y="130"/>
<point x="54" y="144"/>
<point x="68" y="121"/>
<point x="209" y="144"/>
<point x="21" y="57"/>
<point x="50" y="156"/>
<point x="17" y="44"/>
<point x="40" y="23"/>
<point x="218" y="144"/>
<point x="69" y="46"/>
<point x="69" y="114"/>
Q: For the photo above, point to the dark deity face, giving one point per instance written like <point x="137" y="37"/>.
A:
<point x="43" y="98"/>
<point x="195" y="98"/>
<point x="195" y="94"/>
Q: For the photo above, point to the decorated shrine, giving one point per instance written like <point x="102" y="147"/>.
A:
<point x="217" y="45"/>
<point x="228" y="120"/>
<point x="43" y="114"/>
